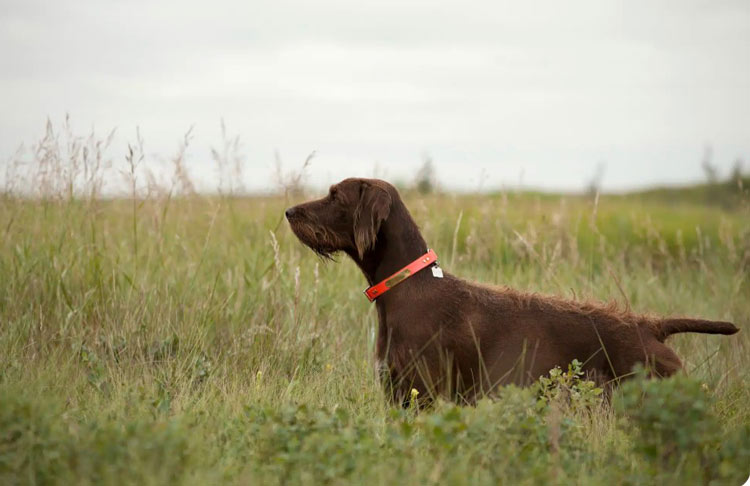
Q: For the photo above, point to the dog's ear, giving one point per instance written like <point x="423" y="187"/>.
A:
<point x="372" y="209"/>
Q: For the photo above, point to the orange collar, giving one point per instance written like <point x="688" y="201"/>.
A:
<point x="384" y="286"/>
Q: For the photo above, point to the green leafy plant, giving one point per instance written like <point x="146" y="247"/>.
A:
<point x="677" y="429"/>
<point x="569" y="386"/>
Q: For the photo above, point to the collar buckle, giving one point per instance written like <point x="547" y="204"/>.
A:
<point x="424" y="261"/>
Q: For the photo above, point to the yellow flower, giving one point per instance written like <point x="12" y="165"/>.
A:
<point x="329" y="367"/>
<point x="414" y="393"/>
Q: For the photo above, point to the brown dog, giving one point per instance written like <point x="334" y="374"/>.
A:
<point x="445" y="336"/>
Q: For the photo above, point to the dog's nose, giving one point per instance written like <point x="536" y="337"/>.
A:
<point x="290" y="212"/>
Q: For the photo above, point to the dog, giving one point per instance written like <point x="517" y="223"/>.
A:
<point x="444" y="336"/>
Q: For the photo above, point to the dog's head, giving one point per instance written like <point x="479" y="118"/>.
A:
<point x="347" y="219"/>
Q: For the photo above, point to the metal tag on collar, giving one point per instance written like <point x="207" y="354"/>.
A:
<point x="437" y="272"/>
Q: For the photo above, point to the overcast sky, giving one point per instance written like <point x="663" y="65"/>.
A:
<point x="496" y="93"/>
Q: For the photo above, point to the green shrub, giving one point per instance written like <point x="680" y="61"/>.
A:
<point x="678" y="433"/>
<point x="569" y="387"/>
<point x="39" y="445"/>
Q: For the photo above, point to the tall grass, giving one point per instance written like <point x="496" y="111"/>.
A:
<point x="170" y="337"/>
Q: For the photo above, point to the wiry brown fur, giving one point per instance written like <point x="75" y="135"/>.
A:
<point x="446" y="336"/>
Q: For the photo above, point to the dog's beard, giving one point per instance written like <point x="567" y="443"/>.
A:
<point x="317" y="238"/>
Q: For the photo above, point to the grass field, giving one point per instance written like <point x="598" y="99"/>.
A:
<point x="193" y="340"/>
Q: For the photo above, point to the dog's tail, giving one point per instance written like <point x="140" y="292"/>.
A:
<point x="667" y="327"/>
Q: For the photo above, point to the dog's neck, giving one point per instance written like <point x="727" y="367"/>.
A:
<point x="398" y="243"/>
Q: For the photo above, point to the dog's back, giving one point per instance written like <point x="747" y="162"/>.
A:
<point x="472" y="338"/>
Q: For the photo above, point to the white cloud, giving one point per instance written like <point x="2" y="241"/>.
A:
<point x="548" y="89"/>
